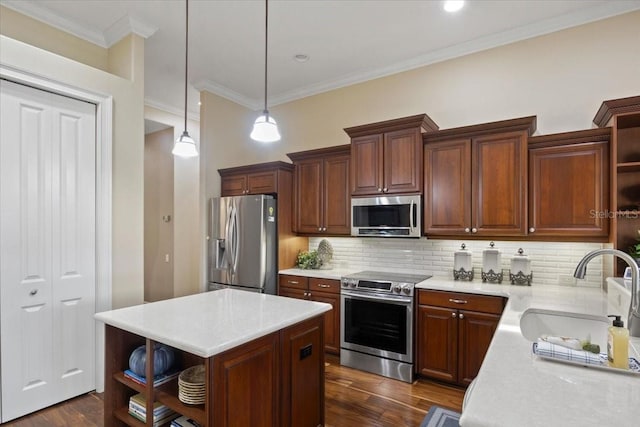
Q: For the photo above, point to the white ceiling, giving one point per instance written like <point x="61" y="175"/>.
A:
<point x="348" y="41"/>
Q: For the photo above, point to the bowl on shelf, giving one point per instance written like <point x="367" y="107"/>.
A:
<point x="192" y="385"/>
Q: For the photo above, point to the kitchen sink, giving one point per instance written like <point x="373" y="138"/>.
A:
<point x="536" y="322"/>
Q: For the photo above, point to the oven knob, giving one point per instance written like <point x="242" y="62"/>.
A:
<point x="345" y="283"/>
<point x="353" y="283"/>
<point x="406" y="289"/>
<point x="397" y="289"/>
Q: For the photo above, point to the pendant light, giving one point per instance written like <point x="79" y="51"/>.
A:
<point x="185" y="146"/>
<point x="265" y="128"/>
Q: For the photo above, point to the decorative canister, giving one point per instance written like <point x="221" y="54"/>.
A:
<point x="462" y="265"/>
<point x="492" y="264"/>
<point x="520" y="272"/>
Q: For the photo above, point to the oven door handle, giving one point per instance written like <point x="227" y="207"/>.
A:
<point x="378" y="298"/>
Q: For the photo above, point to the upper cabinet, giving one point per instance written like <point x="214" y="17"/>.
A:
<point x="254" y="179"/>
<point x="475" y="179"/>
<point x="322" y="203"/>
<point x="386" y="157"/>
<point x="623" y="116"/>
<point x="569" y="185"/>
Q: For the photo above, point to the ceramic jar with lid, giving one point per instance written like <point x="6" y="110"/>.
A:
<point x="520" y="272"/>
<point x="462" y="264"/>
<point x="492" y="264"/>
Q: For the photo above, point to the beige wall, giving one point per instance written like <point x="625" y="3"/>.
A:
<point x="189" y="207"/>
<point x="561" y="77"/>
<point x="158" y="215"/>
<point x="35" y="33"/>
<point x="128" y="149"/>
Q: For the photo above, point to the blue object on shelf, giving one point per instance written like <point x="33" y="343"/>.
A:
<point x="163" y="358"/>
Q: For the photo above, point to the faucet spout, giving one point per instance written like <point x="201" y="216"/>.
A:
<point x="633" y="322"/>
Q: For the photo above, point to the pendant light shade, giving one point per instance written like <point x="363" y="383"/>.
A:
<point x="185" y="146"/>
<point x="265" y="129"/>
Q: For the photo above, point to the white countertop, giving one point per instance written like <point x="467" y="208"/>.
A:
<point x="335" y="274"/>
<point x="212" y="322"/>
<point x="514" y="388"/>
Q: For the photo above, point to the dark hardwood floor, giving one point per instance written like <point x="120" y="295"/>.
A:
<point x="352" y="398"/>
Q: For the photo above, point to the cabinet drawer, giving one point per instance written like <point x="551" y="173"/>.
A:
<point x="463" y="301"/>
<point x="296" y="282"/>
<point x="324" y="285"/>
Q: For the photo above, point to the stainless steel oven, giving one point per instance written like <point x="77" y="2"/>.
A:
<point x="376" y="323"/>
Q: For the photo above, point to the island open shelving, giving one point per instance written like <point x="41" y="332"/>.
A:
<point x="263" y="373"/>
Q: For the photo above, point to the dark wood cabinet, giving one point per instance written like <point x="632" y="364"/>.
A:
<point x="475" y="179"/>
<point x="274" y="178"/>
<point x="386" y="157"/>
<point x="274" y="380"/>
<point x="321" y="290"/>
<point x="569" y="185"/>
<point x="623" y="116"/>
<point x="454" y="331"/>
<point x="322" y="201"/>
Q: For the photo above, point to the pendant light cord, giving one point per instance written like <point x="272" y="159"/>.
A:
<point x="186" y="62"/>
<point x="266" y="38"/>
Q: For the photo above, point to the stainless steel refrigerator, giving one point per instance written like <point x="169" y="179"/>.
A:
<point x="243" y="243"/>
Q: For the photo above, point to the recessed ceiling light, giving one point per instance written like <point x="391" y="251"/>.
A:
<point x="301" y="57"/>
<point x="453" y="5"/>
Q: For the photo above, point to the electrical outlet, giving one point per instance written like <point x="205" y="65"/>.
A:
<point x="566" y="280"/>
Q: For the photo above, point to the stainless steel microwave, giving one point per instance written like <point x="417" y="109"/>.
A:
<point x="386" y="216"/>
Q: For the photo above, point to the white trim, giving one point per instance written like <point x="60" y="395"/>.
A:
<point x="230" y="94"/>
<point x="149" y="102"/>
<point x="125" y="26"/>
<point x="104" y="144"/>
<point x="43" y="14"/>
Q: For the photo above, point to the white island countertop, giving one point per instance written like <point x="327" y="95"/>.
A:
<point x="209" y="323"/>
<point x="516" y="388"/>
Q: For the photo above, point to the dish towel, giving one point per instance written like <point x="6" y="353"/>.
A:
<point x="546" y="349"/>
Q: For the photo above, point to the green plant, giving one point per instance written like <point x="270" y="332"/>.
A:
<point x="634" y="250"/>
<point x="308" y="260"/>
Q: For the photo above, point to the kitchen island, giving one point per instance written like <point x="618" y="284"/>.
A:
<point x="263" y="358"/>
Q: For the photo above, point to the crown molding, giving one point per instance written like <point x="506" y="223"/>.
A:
<point x="43" y="14"/>
<point x="230" y="94"/>
<point x="149" y="102"/>
<point x="121" y="28"/>
<point x="125" y="26"/>
<point x="581" y="17"/>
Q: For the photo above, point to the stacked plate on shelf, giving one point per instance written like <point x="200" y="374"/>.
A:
<point x="191" y="385"/>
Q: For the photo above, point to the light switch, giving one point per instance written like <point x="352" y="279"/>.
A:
<point x="166" y="257"/>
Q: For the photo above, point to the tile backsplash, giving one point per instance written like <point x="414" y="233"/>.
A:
<point x="552" y="263"/>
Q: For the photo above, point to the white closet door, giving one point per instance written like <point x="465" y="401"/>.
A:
<point x="47" y="248"/>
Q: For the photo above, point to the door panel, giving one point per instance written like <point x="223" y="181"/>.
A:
<point x="366" y="165"/>
<point x="476" y="332"/>
<point x="337" y="206"/>
<point x="438" y="342"/>
<point x="47" y="248"/>
<point x="250" y="228"/>
<point x="403" y="161"/>
<point x="309" y="195"/>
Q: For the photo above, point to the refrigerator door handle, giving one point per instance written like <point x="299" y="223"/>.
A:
<point x="229" y="240"/>
<point x="235" y="239"/>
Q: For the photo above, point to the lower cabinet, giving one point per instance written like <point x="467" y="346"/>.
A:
<point x="274" y="380"/>
<point x="321" y="290"/>
<point x="454" y="331"/>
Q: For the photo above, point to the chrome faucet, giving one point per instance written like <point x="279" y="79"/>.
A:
<point x="633" y="322"/>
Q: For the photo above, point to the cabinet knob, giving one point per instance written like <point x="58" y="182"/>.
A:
<point x="474" y="230"/>
<point x="319" y="228"/>
<point x="532" y="230"/>
<point x="467" y="230"/>
<point x="379" y="190"/>
<point x="324" y="228"/>
<point x="33" y="292"/>
<point x="384" y="190"/>
<point x="453" y="315"/>
<point x="461" y="316"/>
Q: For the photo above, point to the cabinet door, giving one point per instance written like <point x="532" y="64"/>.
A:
<point x="245" y="385"/>
<point x="447" y="187"/>
<point x="403" y="161"/>
<point x="499" y="184"/>
<point x="568" y="187"/>
<point x="366" y="165"/>
<point x="233" y="185"/>
<point x="331" y="320"/>
<point x="437" y="342"/>
<point x="262" y="182"/>
<point x="337" y="201"/>
<point x="302" y="375"/>
<point x="309" y="196"/>
<point x="475" y="333"/>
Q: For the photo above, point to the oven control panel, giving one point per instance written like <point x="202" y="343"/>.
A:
<point x="382" y="283"/>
